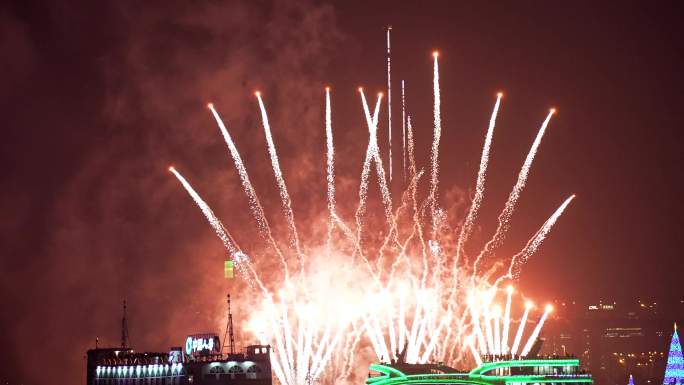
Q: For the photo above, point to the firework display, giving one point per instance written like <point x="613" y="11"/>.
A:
<point x="412" y="294"/>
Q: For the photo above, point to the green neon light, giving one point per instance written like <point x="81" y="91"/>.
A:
<point x="522" y="363"/>
<point x="393" y="376"/>
<point x="388" y="370"/>
<point x="464" y="379"/>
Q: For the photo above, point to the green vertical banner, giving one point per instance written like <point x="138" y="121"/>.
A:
<point x="228" y="269"/>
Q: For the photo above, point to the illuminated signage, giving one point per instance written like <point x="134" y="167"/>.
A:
<point x="228" y="268"/>
<point x="175" y="356"/>
<point x="202" y="344"/>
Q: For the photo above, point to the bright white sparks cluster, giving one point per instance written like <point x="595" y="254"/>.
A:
<point x="417" y="296"/>
<point x="491" y="328"/>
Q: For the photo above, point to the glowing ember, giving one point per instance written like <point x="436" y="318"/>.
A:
<point x="416" y="297"/>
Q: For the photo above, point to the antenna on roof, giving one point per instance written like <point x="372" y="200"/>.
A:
<point x="229" y="332"/>
<point x="124" y="328"/>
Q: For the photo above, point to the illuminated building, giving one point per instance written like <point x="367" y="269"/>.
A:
<point x="201" y="361"/>
<point x="200" y="365"/>
<point x="510" y="372"/>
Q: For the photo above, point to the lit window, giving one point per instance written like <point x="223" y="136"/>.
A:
<point x="235" y="369"/>
<point x="217" y="370"/>
<point x="254" y="369"/>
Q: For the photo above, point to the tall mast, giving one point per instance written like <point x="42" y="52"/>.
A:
<point x="229" y="332"/>
<point x="124" y="328"/>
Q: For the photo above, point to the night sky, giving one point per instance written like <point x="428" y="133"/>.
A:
<point x="99" y="98"/>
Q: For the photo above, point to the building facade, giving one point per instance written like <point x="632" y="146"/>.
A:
<point x="200" y="363"/>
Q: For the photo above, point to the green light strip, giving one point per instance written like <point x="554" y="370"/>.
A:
<point x="435" y="379"/>
<point x="523" y="363"/>
<point x="392" y="375"/>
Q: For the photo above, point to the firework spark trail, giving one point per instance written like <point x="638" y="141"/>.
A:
<point x="389" y="101"/>
<point x="422" y="321"/>
<point x="423" y="324"/>
<point x="402" y="315"/>
<point x="474" y="314"/>
<point x="372" y="122"/>
<point x="365" y="171"/>
<point x="491" y="319"/>
<point x="413" y="186"/>
<point x="476" y="355"/>
<point x="509" y="207"/>
<point x="521" y="328"/>
<point x="467" y="227"/>
<point x="348" y="352"/>
<point x="507" y="320"/>
<point x="488" y="330"/>
<point x="434" y="155"/>
<point x="497" y="330"/>
<point x="403" y="131"/>
<point x="402" y="256"/>
<point x="279" y="334"/>
<point x="307" y="328"/>
<point x="411" y="147"/>
<point x="375" y="337"/>
<point x="308" y="347"/>
<point x="242" y="260"/>
<point x="328" y="354"/>
<point x="363" y="187"/>
<point x="318" y="355"/>
<point x="279" y="373"/>
<point x="391" y="329"/>
<point x="437" y="257"/>
<point x="457" y="338"/>
<point x="299" y="359"/>
<point x="330" y="162"/>
<point x="380" y="337"/>
<point x="300" y="347"/>
<point x="533" y="337"/>
<point x="414" y="329"/>
<point x="373" y="333"/>
<point x="433" y="340"/>
<point x="215" y="223"/>
<point x="287" y="331"/>
<point x="534" y="243"/>
<point x="254" y="203"/>
<point x="282" y="188"/>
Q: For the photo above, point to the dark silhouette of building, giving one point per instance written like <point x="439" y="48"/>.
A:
<point x="614" y="339"/>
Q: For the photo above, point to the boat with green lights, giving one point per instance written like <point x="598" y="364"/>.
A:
<point x="552" y="370"/>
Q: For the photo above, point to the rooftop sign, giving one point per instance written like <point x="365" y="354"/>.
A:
<point x="202" y="344"/>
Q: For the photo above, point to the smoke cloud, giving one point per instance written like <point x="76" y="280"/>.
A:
<point x="117" y="225"/>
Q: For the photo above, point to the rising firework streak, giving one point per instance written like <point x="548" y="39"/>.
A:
<point x="389" y="101"/>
